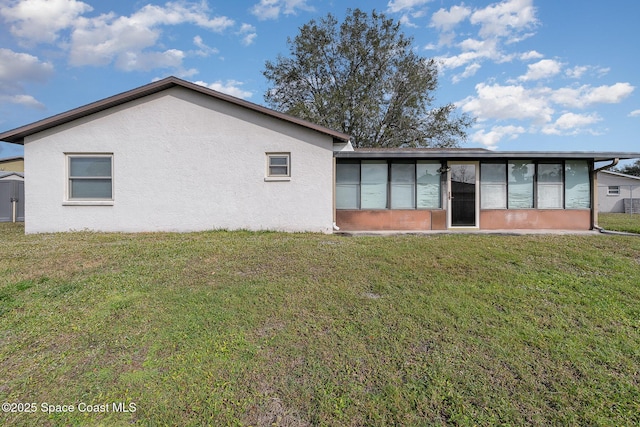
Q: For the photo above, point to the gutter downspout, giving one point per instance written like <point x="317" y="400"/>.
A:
<point x="595" y="194"/>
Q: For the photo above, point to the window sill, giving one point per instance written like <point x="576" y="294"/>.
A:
<point x="277" y="179"/>
<point x="88" y="203"/>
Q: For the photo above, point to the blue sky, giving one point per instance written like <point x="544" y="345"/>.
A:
<point x="537" y="74"/>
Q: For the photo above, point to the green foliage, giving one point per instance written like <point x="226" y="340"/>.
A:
<point x="633" y="169"/>
<point x="363" y="78"/>
<point x="241" y="328"/>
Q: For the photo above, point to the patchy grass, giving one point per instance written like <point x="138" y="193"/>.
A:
<point x="620" y="222"/>
<point x="240" y="328"/>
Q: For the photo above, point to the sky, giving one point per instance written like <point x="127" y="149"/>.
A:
<point x="536" y="74"/>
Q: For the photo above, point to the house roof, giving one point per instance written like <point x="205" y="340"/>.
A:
<point x="11" y="159"/>
<point x="17" y="135"/>
<point x="480" y="154"/>
<point x="4" y="174"/>
<point x="621" y="175"/>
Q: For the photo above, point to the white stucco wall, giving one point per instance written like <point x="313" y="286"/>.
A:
<point x="183" y="161"/>
<point x="629" y="187"/>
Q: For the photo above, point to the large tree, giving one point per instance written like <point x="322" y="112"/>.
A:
<point x="363" y="77"/>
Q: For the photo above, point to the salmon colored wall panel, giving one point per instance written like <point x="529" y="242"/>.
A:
<point x="393" y="219"/>
<point x="439" y="220"/>
<point x="550" y="219"/>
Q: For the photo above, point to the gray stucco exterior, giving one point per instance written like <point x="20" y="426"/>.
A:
<point x="614" y="188"/>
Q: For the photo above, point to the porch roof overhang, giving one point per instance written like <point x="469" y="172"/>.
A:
<point x="481" y="154"/>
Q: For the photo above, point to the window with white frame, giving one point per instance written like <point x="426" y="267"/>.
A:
<point x="278" y="165"/>
<point x="403" y="185"/>
<point x="90" y="177"/>
<point x="428" y="175"/>
<point x="373" y="184"/>
<point x="493" y="186"/>
<point x="550" y="186"/>
<point x="613" y="190"/>
<point x="388" y="184"/>
<point x="577" y="185"/>
<point x="521" y="174"/>
<point x="348" y="185"/>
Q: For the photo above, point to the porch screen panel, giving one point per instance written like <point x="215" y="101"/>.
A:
<point x="577" y="185"/>
<point x="347" y="185"/>
<point x="493" y="186"/>
<point x="550" y="188"/>
<point x="403" y="185"/>
<point x="428" y="185"/>
<point x="373" y="187"/>
<point x="521" y="173"/>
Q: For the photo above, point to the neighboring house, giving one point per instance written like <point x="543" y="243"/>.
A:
<point x="11" y="196"/>
<point x="12" y="164"/>
<point x="616" y="190"/>
<point x="111" y="166"/>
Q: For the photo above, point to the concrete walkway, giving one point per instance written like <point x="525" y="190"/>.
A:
<point x="469" y="231"/>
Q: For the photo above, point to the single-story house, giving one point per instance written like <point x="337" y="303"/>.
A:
<point x="176" y="156"/>
<point x="12" y="164"/>
<point x="618" y="192"/>
<point x="11" y="196"/>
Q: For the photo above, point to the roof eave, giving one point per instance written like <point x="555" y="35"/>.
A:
<point x="487" y="155"/>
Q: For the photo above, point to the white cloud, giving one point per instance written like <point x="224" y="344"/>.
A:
<point x="22" y="67"/>
<point x="580" y="70"/>
<point x="570" y="124"/>
<point x="248" y="33"/>
<point x="505" y="19"/>
<point x="17" y="69"/>
<point x="500" y="24"/>
<point x="634" y="113"/>
<point x="532" y="54"/>
<point x="203" y="49"/>
<point x="445" y="20"/>
<point x="395" y="6"/>
<point x="23" y="100"/>
<point x="491" y="139"/>
<point x="541" y="70"/>
<point x="576" y="72"/>
<point x="520" y="103"/>
<point x="406" y="20"/>
<point x="472" y="51"/>
<point x="147" y="61"/>
<point x="37" y="21"/>
<point x="125" y="40"/>
<point x="586" y="95"/>
<point x="271" y="9"/>
<point x="230" y="87"/>
<point x="175" y="13"/>
<point x="508" y="102"/>
<point x="469" y="71"/>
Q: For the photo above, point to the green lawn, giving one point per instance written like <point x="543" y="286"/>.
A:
<point x="620" y="222"/>
<point x="240" y="328"/>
